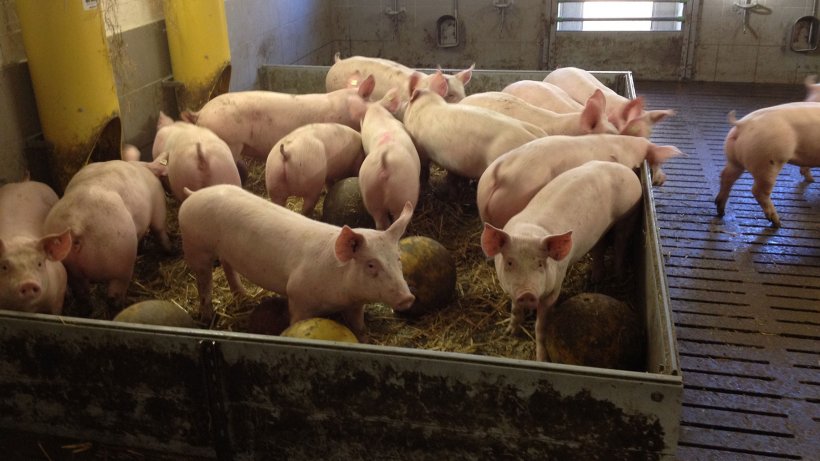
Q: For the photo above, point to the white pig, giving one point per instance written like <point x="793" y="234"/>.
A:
<point x="109" y="206"/>
<point x="32" y="278"/>
<point x="321" y="268"/>
<point x="195" y="156"/>
<point x="765" y="140"/>
<point x="544" y="95"/>
<point x="812" y="88"/>
<point x="462" y="139"/>
<point x="628" y="115"/>
<point x="592" y="119"/>
<point x="390" y="74"/>
<point x="310" y="157"/>
<point x="251" y="122"/>
<point x="515" y="177"/>
<point x="389" y="176"/>
<point x="562" y="222"/>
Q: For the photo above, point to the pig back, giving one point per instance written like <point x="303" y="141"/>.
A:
<point x="23" y="208"/>
<point x="388" y="74"/>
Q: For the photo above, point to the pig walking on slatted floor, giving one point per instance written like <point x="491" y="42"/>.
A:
<point x="765" y="140"/>
<point x="563" y="221"/>
<point x="109" y="206"/>
<point x="321" y="268"/>
<point x="310" y="157"/>
<point x="32" y="278"/>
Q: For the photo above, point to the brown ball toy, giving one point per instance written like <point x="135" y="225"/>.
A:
<point x="343" y="204"/>
<point x="156" y="312"/>
<point x="430" y="272"/>
<point x="596" y="330"/>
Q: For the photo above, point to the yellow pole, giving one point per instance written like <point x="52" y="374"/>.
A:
<point x="73" y="81"/>
<point x="200" y="52"/>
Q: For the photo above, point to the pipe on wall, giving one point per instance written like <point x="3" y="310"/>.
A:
<point x="73" y="81"/>
<point x="200" y="51"/>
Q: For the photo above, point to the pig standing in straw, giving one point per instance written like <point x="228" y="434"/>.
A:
<point x="562" y="222"/>
<point x="765" y="140"/>
<point x="321" y="268"/>
<point x="32" y="278"/>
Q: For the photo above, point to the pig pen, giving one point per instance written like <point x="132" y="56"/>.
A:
<point x="229" y="393"/>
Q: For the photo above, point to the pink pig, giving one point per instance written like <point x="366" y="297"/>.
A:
<point x="544" y="95"/>
<point x="462" y="139"/>
<point x="32" y="278"/>
<point x="321" y="268"/>
<point x="251" y="122"/>
<point x="195" y="156"/>
<point x="812" y="88"/>
<point x="765" y="140"/>
<point x="109" y="206"/>
<point x="514" y="178"/>
<point x="389" y="176"/>
<point x="309" y="158"/>
<point x="591" y="119"/>
<point x="390" y="74"/>
<point x="562" y="222"/>
<point x="626" y="114"/>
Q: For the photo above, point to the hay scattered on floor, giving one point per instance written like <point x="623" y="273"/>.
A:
<point x="473" y="322"/>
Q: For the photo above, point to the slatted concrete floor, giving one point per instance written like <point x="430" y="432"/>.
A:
<point x="745" y="297"/>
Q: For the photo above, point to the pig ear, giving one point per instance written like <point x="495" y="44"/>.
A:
<point x="400" y="224"/>
<point x="414" y="82"/>
<point x="391" y="100"/>
<point x="493" y="240"/>
<point x="632" y="109"/>
<point x="367" y="86"/>
<point x="557" y="246"/>
<point x="656" y="116"/>
<point x="593" y="110"/>
<point x="159" y="166"/>
<point x="465" y="75"/>
<point x="163" y="120"/>
<point x="57" y="246"/>
<point x="438" y="83"/>
<point x="347" y="244"/>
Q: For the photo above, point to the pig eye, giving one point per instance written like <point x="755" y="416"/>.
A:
<point x="509" y="264"/>
<point x="372" y="269"/>
<point x="4" y="267"/>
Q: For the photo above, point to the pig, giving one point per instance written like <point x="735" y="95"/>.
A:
<point x="515" y="177"/>
<point x="562" y="222"/>
<point x="628" y="115"/>
<point x="462" y="139"/>
<point x="195" y="156"/>
<point x="108" y="207"/>
<point x="389" y="176"/>
<point x="590" y="120"/>
<point x="765" y="140"/>
<point x="252" y="122"/>
<point x="310" y="157"/>
<point x="544" y="95"/>
<point x="32" y="277"/>
<point x="321" y="268"/>
<point x="812" y="88"/>
<point x="390" y="74"/>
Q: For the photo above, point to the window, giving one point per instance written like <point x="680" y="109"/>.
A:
<point x="620" y="15"/>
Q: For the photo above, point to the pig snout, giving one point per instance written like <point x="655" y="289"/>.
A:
<point x="29" y="290"/>
<point x="404" y="303"/>
<point x="527" y="300"/>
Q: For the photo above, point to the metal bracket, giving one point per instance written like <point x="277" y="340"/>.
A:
<point x="212" y="361"/>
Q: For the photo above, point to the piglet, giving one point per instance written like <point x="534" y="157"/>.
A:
<point x="561" y="223"/>
<point x="390" y="74"/>
<point x="515" y="177"/>
<point x="765" y="140"/>
<point x="591" y="119"/>
<point x="195" y="156"/>
<point x="628" y="115"/>
<point x="544" y="95"/>
<point x="310" y="157"/>
<point x="462" y="139"/>
<point x="251" y="122"/>
<point x="389" y="176"/>
<point x="321" y="268"/>
<point x="32" y="278"/>
<point x="812" y="88"/>
<point x="108" y="207"/>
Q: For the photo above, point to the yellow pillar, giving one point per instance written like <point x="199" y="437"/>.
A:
<point x="200" y="52"/>
<point x="73" y="82"/>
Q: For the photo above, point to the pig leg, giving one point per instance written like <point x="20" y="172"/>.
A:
<point x="541" y="334"/>
<point x="731" y="172"/>
<point x="201" y="264"/>
<point x="309" y="203"/>
<point x="354" y="318"/>
<point x="516" y="317"/>
<point x="806" y="172"/>
<point x="762" y="191"/>
<point x="382" y="220"/>
<point x="158" y="224"/>
<point x="233" y="279"/>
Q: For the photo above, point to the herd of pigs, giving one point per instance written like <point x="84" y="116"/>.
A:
<point x="554" y="162"/>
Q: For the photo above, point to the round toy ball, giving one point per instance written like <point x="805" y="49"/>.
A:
<point x="430" y="272"/>
<point x="343" y="204"/>
<point x="320" y="328"/>
<point x="156" y="312"/>
<point x="595" y="330"/>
